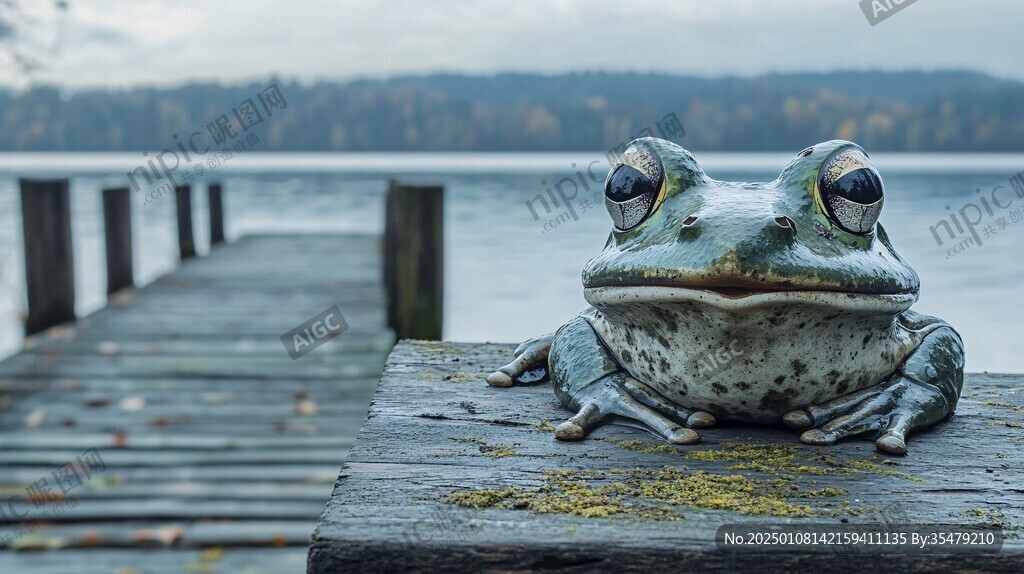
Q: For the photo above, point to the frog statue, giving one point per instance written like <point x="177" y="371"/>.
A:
<point x="757" y="302"/>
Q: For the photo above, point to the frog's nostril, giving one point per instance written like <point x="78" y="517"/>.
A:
<point x="785" y="223"/>
<point x="689" y="221"/>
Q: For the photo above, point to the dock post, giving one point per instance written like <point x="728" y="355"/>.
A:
<point x="117" y="227"/>
<point x="49" y="257"/>
<point x="186" y="244"/>
<point x="216" y="214"/>
<point x="414" y="260"/>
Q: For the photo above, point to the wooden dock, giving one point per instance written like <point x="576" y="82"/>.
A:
<point x="451" y="475"/>
<point x="218" y="450"/>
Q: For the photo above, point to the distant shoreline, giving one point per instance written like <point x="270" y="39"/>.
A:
<point x="27" y="164"/>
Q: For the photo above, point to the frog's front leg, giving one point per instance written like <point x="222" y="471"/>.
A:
<point x="588" y="380"/>
<point x="922" y="392"/>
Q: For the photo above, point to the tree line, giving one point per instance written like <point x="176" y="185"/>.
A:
<point x="890" y="111"/>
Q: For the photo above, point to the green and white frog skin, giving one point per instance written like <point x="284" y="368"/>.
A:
<point x="791" y="284"/>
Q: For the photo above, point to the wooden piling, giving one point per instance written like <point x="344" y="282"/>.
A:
<point x="414" y="260"/>
<point x="117" y="226"/>
<point x="216" y="214"/>
<point x="49" y="257"/>
<point x="186" y="243"/>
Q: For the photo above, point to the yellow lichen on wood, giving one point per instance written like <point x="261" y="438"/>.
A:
<point x="543" y="425"/>
<point x="498" y="450"/>
<point x="1007" y="423"/>
<point x="785" y="461"/>
<point x="649" y="494"/>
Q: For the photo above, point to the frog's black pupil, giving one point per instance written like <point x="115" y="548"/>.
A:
<point x="861" y="186"/>
<point x="627" y="183"/>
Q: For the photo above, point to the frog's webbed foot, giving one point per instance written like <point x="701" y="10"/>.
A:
<point x="618" y="395"/>
<point x="923" y="392"/>
<point x="529" y="366"/>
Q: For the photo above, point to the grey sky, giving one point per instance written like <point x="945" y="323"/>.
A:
<point x="127" y="43"/>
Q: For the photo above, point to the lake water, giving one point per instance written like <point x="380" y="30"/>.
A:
<point x="508" y="275"/>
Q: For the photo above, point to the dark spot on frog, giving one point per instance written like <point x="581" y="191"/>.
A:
<point x="779" y="402"/>
<point x="665" y="366"/>
<point x="743" y="385"/>
<point x="663" y="341"/>
<point x="719" y="388"/>
<point x="780" y="379"/>
<point x="843" y="386"/>
<point x="668" y="319"/>
<point x="799" y="367"/>
<point x="627" y="357"/>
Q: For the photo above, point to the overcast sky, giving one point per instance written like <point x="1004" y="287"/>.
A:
<point x="162" y="42"/>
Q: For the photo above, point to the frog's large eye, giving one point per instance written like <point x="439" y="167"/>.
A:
<point x="635" y="187"/>
<point x="849" y="190"/>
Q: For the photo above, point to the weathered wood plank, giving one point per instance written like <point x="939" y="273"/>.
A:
<point x="436" y="428"/>
<point x="243" y="560"/>
<point x="209" y="430"/>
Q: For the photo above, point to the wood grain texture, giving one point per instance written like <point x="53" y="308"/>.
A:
<point x="220" y="450"/>
<point x="434" y="425"/>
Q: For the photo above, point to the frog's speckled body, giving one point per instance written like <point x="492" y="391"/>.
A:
<point x="754" y="302"/>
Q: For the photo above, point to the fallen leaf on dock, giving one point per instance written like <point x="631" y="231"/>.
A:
<point x="305" y="407"/>
<point x="35" y="418"/>
<point x="161" y="536"/>
<point x="132" y="403"/>
<point x="108" y="348"/>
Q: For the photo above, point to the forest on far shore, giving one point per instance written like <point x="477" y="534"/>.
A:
<point x="882" y="111"/>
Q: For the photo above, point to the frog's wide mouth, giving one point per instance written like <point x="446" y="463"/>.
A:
<point x="734" y="297"/>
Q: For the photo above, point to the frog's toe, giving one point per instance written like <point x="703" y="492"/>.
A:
<point x="648" y="397"/>
<point x="528" y="367"/>
<point x="818" y="437"/>
<point x="701" y="419"/>
<point x="894" y="439"/>
<point x="868" y="415"/>
<point x="892" y="443"/>
<point x="798" y="420"/>
<point x="579" y="425"/>
<point x="499" y="378"/>
<point x="510" y="373"/>
<point x="628" y="407"/>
